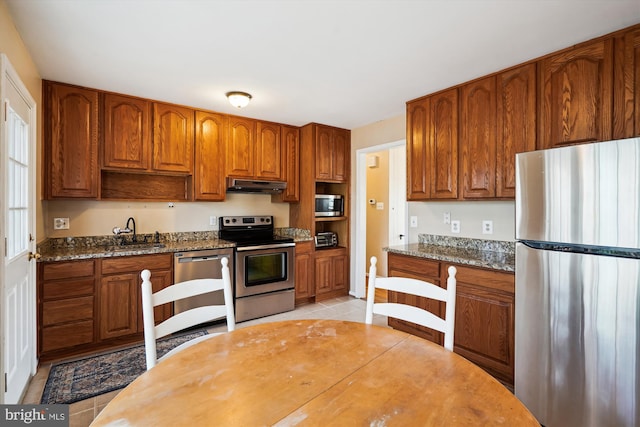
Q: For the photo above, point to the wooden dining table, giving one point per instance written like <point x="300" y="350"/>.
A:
<point x="315" y="373"/>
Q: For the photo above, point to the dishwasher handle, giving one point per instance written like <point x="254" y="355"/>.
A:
<point x="199" y="258"/>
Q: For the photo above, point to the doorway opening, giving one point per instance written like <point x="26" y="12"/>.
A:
<point x="397" y="181"/>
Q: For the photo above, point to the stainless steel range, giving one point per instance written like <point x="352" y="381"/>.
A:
<point x="264" y="275"/>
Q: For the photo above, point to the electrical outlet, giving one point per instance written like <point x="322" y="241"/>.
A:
<point x="413" y="222"/>
<point x="213" y="220"/>
<point x="455" y="226"/>
<point x="487" y="227"/>
<point x="447" y="218"/>
<point x="61" y="223"/>
<point x="380" y="206"/>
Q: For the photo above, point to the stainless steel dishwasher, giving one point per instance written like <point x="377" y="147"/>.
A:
<point x="202" y="264"/>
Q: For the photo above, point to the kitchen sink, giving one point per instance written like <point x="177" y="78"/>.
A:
<point x="133" y="246"/>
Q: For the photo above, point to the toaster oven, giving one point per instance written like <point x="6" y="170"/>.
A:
<point x="326" y="239"/>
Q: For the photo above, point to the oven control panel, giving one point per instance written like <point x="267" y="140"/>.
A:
<point x="231" y="221"/>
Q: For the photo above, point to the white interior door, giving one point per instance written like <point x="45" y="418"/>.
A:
<point x="397" y="196"/>
<point x="18" y="204"/>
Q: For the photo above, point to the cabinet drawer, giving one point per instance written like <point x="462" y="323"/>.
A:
<point x="419" y="268"/>
<point x="135" y="264"/>
<point x="68" y="335"/>
<point x="67" y="270"/>
<point x="67" y="289"/>
<point x="496" y="280"/>
<point x="67" y="310"/>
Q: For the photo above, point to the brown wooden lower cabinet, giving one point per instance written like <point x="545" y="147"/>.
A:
<point x="305" y="289"/>
<point x="485" y="309"/>
<point x="331" y="273"/>
<point x="118" y="315"/>
<point x="94" y="304"/>
<point x="66" y="304"/>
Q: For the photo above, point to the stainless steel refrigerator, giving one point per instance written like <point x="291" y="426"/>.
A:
<point x="577" y="350"/>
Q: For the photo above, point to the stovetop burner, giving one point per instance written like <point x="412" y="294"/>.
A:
<point x="250" y="230"/>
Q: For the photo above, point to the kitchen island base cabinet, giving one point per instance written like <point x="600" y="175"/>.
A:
<point x="90" y="305"/>
<point x="485" y="308"/>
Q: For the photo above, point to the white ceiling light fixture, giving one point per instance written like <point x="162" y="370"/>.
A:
<point x="238" y="99"/>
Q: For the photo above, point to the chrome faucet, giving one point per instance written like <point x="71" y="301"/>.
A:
<point x="117" y="230"/>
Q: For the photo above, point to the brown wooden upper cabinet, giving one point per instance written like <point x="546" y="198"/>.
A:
<point x="627" y="104"/>
<point x="478" y="138"/>
<point x="487" y="121"/>
<point x="432" y="147"/>
<point x="254" y="149"/>
<point x="583" y="94"/>
<point x="332" y="154"/>
<point x="576" y="95"/>
<point x="151" y="150"/>
<point x="515" y="123"/>
<point x="268" y="155"/>
<point x="291" y="163"/>
<point x="71" y="141"/>
<point x="211" y="135"/>
<point x="173" y="128"/>
<point x="497" y="121"/>
<point x="126" y="130"/>
<point x="634" y="75"/>
<point x="240" y="147"/>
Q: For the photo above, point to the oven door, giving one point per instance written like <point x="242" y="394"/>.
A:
<point x="264" y="268"/>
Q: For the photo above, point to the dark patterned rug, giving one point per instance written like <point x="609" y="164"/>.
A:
<point x="70" y="382"/>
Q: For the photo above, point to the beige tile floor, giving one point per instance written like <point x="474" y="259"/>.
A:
<point x="83" y="412"/>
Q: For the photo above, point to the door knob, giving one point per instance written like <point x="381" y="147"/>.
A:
<point x="401" y="236"/>
<point x="35" y="256"/>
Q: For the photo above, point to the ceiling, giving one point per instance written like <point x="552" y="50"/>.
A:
<point x="346" y="63"/>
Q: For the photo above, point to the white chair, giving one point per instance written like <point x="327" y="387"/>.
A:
<point x="410" y="313"/>
<point x="185" y="319"/>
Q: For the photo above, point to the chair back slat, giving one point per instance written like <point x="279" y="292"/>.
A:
<point x="410" y="313"/>
<point x="187" y="289"/>
<point x="188" y="318"/>
<point x="185" y="319"/>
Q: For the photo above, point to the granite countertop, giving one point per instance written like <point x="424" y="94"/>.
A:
<point x="91" y="247"/>
<point x="493" y="254"/>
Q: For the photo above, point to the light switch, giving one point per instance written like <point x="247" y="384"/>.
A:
<point x="447" y="218"/>
<point x="413" y="221"/>
<point x="380" y="206"/>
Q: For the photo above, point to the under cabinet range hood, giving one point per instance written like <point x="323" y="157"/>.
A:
<point x="239" y="185"/>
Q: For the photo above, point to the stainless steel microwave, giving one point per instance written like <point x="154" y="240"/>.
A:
<point x="329" y="205"/>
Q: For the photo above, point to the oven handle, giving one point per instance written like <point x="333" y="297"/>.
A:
<point x="259" y="247"/>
